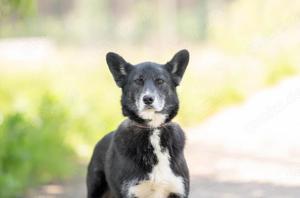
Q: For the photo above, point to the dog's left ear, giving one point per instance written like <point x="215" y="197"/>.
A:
<point x="118" y="67"/>
<point x="178" y="64"/>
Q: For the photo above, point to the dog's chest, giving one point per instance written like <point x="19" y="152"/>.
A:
<point x="162" y="181"/>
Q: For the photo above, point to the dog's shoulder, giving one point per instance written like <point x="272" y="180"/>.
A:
<point x="100" y="150"/>
<point x="174" y="137"/>
<point x="176" y="127"/>
<point x="177" y="132"/>
<point x="128" y="135"/>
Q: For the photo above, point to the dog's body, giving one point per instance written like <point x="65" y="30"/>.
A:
<point x="144" y="156"/>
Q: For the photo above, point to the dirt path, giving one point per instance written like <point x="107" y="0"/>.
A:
<point x="200" y="188"/>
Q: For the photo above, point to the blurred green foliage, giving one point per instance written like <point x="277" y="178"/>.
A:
<point x="282" y="67"/>
<point x="45" y="130"/>
<point x="32" y="144"/>
<point x="14" y="8"/>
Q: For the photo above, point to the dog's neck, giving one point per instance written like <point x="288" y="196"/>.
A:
<point x="146" y="126"/>
<point x="148" y="121"/>
<point x="132" y="123"/>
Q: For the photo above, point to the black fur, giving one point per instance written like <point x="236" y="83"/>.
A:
<point x="127" y="154"/>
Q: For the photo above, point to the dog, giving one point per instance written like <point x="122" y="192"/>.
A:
<point x="143" y="157"/>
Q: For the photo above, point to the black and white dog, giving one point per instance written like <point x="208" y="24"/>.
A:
<point x="144" y="156"/>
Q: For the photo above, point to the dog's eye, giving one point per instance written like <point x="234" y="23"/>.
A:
<point x="159" y="81"/>
<point x="139" y="81"/>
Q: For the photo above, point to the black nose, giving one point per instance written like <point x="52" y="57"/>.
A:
<point x="148" y="100"/>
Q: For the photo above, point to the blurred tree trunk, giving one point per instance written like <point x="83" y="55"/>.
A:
<point x="167" y="20"/>
<point x="202" y="11"/>
<point x="116" y="9"/>
<point x="55" y="8"/>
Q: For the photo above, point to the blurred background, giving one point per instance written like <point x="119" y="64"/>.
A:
<point x="240" y="96"/>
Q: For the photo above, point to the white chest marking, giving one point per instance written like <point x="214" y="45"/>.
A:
<point x="162" y="181"/>
<point x="156" y="119"/>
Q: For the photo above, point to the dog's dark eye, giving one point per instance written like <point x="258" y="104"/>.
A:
<point x="159" y="81"/>
<point x="139" y="81"/>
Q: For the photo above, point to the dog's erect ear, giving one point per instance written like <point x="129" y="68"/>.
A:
<point x="118" y="67"/>
<point x="178" y="64"/>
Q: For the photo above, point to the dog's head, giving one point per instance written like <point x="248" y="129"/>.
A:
<point x="149" y="89"/>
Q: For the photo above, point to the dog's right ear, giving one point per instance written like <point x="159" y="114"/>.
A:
<point x="178" y="64"/>
<point x="118" y="67"/>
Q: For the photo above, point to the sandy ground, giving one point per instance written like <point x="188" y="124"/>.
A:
<point x="250" y="150"/>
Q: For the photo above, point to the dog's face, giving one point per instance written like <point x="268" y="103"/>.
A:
<point x="149" y="89"/>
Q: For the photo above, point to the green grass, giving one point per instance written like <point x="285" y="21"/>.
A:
<point x="280" y="69"/>
<point x="33" y="148"/>
<point x="199" y="101"/>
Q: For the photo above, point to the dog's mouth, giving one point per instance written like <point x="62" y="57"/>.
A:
<point x="151" y="108"/>
<point x="148" y="107"/>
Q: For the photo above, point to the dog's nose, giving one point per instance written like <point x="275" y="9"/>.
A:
<point x="148" y="100"/>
